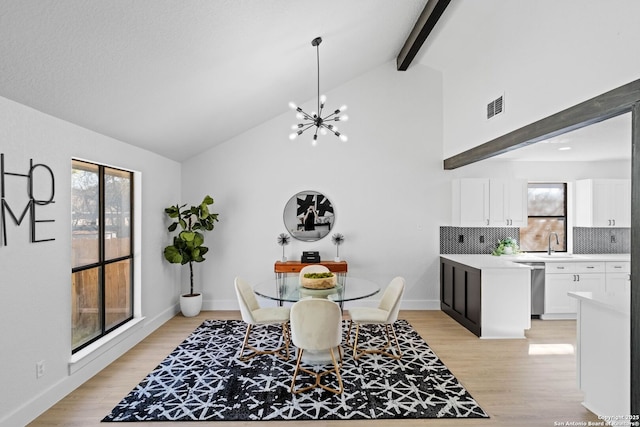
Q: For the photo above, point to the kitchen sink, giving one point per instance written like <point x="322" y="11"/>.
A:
<point x="556" y="255"/>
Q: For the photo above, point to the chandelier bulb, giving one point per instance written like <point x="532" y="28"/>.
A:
<point x="343" y="108"/>
<point x="293" y="136"/>
<point x="323" y="99"/>
<point x="293" y="105"/>
<point x="344" y="118"/>
<point x="323" y="131"/>
<point x="299" y="116"/>
<point x="343" y="138"/>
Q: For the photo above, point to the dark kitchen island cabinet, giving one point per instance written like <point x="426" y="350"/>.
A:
<point x="487" y="295"/>
<point x="460" y="294"/>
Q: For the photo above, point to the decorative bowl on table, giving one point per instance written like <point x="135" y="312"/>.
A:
<point x="318" y="281"/>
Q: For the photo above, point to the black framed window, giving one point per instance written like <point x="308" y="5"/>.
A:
<point x="547" y="211"/>
<point x="102" y="250"/>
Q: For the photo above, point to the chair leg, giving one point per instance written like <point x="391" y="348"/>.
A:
<point x="286" y="336"/>
<point x="295" y="372"/>
<point x="348" y="340"/>
<point x="256" y="352"/>
<point x="244" y="345"/>
<point x="359" y="352"/>
<point x="318" y="375"/>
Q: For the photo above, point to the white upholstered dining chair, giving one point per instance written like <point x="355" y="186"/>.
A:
<point x="316" y="326"/>
<point x="384" y="316"/>
<point x="253" y="314"/>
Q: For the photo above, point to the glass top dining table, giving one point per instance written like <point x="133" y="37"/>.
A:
<point x="287" y="289"/>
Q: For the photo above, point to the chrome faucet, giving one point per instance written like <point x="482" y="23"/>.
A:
<point x="557" y="242"/>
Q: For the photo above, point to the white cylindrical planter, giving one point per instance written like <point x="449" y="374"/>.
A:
<point x="190" y="305"/>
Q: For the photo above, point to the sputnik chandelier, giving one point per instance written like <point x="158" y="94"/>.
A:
<point x="315" y="119"/>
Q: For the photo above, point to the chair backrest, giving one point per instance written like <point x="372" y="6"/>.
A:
<point x="246" y="299"/>
<point x="314" y="268"/>
<point x="391" y="299"/>
<point x="316" y="324"/>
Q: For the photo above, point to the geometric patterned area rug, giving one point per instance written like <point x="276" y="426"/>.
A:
<point x="202" y="379"/>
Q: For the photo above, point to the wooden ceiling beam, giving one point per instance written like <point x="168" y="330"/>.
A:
<point x="432" y="12"/>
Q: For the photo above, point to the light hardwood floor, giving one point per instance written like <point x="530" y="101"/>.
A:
<point x="515" y="387"/>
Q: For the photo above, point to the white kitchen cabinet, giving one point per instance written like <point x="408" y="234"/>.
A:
<point x="555" y="293"/>
<point x="482" y="202"/>
<point x="470" y="202"/>
<point x="618" y="280"/>
<point x="603" y="203"/>
<point x="508" y="202"/>
<point x="564" y="277"/>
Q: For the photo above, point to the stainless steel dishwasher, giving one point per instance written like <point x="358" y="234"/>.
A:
<point x="537" y="288"/>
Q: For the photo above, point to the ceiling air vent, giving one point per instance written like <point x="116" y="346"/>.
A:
<point x="495" y="107"/>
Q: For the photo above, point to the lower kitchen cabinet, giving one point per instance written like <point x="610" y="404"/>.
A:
<point x="618" y="281"/>
<point x="564" y="277"/>
<point x="487" y="295"/>
<point x="556" y="288"/>
<point x="460" y="293"/>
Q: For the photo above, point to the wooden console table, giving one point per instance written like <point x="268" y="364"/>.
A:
<point x="283" y="267"/>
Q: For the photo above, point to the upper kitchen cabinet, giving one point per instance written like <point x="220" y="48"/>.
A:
<point x="603" y="203"/>
<point x="482" y="202"/>
<point x="508" y="202"/>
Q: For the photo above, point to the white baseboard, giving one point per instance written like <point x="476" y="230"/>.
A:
<point x="227" y="305"/>
<point x="99" y="359"/>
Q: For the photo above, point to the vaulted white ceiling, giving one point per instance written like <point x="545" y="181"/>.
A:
<point x="177" y="77"/>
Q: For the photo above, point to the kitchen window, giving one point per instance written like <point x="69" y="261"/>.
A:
<point x="547" y="213"/>
<point x="102" y="250"/>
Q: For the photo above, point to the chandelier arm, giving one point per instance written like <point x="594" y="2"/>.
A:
<point x="307" y="116"/>
<point x="330" y="118"/>
<point x="309" y="125"/>
<point x="330" y="129"/>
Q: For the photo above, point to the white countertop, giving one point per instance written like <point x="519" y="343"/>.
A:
<point x="564" y="257"/>
<point x="620" y="305"/>
<point x="481" y="261"/>
<point x="485" y="261"/>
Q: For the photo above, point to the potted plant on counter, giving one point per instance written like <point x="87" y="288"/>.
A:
<point x="188" y="245"/>
<point x="506" y="246"/>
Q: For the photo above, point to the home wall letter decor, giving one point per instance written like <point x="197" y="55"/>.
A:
<point x="32" y="204"/>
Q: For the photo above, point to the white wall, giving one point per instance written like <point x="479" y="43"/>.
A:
<point x="543" y="55"/>
<point x="385" y="184"/>
<point x="35" y="278"/>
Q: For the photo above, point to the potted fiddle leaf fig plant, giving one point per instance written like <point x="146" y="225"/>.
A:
<point x="188" y="245"/>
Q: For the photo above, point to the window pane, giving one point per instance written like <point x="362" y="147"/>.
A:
<point x="535" y="237"/>
<point x="85" y="290"/>
<point x="546" y="200"/>
<point x="102" y="267"/>
<point x="117" y="293"/>
<point x="84" y="214"/>
<point x="117" y="212"/>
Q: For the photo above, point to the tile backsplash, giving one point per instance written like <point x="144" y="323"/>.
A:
<point x="482" y="240"/>
<point x="473" y="240"/>
<point x="587" y="240"/>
